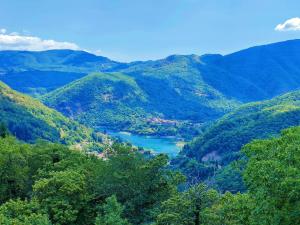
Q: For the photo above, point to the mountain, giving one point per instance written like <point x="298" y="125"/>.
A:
<point x="99" y="99"/>
<point x="181" y="89"/>
<point x="164" y="97"/>
<point x="253" y="74"/>
<point x="29" y="120"/>
<point x="225" y="137"/>
<point x="124" y="102"/>
<point x="177" y="89"/>
<point x="37" y="73"/>
<point x="257" y="73"/>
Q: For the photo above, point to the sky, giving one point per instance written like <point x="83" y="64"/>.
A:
<point x="129" y="30"/>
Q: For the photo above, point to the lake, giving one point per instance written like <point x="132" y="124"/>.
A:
<point x="167" y="145"/>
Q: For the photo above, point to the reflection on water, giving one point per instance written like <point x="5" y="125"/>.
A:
<point x="167" y="145"/>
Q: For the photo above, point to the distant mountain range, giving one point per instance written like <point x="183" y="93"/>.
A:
<point x="36" y="73"/>
<point x="132" y="96"/>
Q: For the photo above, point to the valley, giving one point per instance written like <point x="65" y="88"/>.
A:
<point x="174" y="96"/>
<point x="182" y="112"/>
<point x="153" y="136"/>
<point x="179" y="96"/>
<point x="155" y="144"/>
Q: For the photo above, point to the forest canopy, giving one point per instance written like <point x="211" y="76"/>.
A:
<point x="46" y="183"/>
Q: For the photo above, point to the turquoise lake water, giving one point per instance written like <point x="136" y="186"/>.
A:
<point x="165" y="145"/>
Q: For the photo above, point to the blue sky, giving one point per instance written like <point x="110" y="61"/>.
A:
<point x="129" y="30"/>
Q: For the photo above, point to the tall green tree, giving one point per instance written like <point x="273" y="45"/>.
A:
<point x="230" y="209"/>
<point x="140" y="184"/>
<point x="111" y="213"/>
<point x="186" y="208"/>
<point x="3" y="130"/>
<point x="273" y="178"/>
<point x="176" y="210"/>
<point x="17" y="212"/>
<point x="14" y="169"/>
<point x="63" y="195"/>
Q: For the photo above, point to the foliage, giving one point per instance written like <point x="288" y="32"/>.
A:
<point x="220" y="143"/>
<point x="72" y="187"/>
<point x="14" y="170"/>
<point x="111" y="213"/>
<point x="186" y="208"/>
<point x="139" y="184"/>
<point x="3" y="130"/>
<point x="229" y="210"/>
<point x="62" y="195"/>
<point x="126" y="101"/>
<point x="17" y="212"/>
<point x="29" y="120"/>
<point x="36" y="73"/>
<point x="48" y="183"/>
<point x="272" y="180"/>
<point x="229" y="178"/>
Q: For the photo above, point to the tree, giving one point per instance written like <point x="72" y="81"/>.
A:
<point x="139" y="183"/>
<point x="62" y="195"/>
<point x="17" y="212"/>
<point x="229" y="210"/>
<point x="230" y="177"/>
<point x="3" y="130"/>
<point x="186" y="208"/>
<point x="111" y="213"/>
<point x="272" y="178"/>
<point x="176" y="210"/>
<point x="201" y="198"/>
<point x="14" y="169"/>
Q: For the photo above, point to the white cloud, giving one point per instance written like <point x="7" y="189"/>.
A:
<point x="15" y="41"/>
<point x="292" y="24"/>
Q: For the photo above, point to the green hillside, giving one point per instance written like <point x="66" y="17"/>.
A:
<point x="170" y="96"/>
<point x="257" y="120"/>
<point x="255" y="74"/>
<point x="37" y="73"/>
<point x="140" y="104"/>
<point x="29" y="120"/>
<point x="100" y="99"/>
<point x="175" y="87"/>
<point x="252" y="74"/>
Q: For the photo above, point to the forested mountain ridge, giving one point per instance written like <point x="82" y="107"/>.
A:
<point x="251" y="121"/>
<point x="30" y="120"/>
<point x="36" y="73"/>
<point x="256" y="73"/>
<point x="57" y="60"/>
<point x="100" y="99"/>
<point x="140" y="104"/>
<point x="252" y="74"/>
<point x="177" y="94"/>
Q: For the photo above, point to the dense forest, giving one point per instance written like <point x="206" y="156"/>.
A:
<point x="117" y="101"/>
<point x="46" y="183"/>
<point x="30" y="120"/>
<point x="209" y="155"/>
